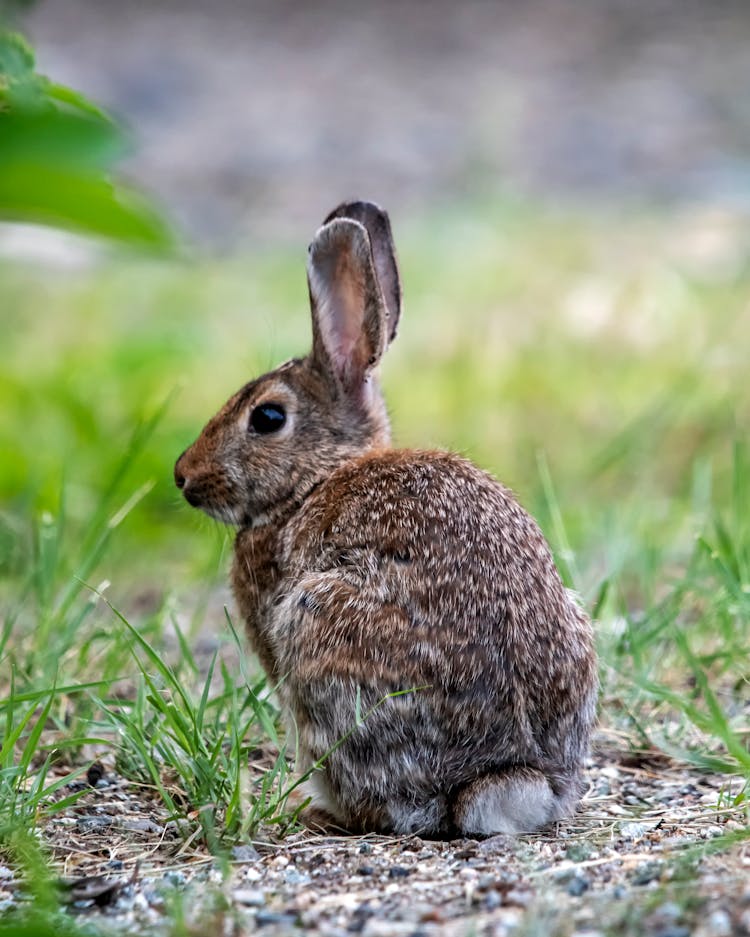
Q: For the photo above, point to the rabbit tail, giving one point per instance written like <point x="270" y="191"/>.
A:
<point x="519" y="800"/>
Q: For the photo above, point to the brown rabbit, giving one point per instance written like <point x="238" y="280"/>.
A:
<point x="409" y="586"/>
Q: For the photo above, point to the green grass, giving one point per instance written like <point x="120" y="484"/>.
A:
<point x="202" y="741"/>
<point x="596" y="364"/>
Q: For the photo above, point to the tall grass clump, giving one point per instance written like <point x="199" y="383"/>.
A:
<point x="690" y="651"/>
<point x="54" y="650"/>
<point x="191" y="737"/>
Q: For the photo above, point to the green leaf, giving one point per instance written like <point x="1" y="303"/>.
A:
<point x="64" y="95"/>
<point x="57" y="149"/>
<point x="16" y="58"/>
<point x="57" y="139"/>
<point x="67" y="198"/>
<point x="20" y="87"/>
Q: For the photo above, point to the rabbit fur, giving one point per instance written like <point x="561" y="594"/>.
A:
<point x="408" y="610"/>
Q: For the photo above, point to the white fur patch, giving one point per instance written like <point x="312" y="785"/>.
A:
<point x="517" y="805"/>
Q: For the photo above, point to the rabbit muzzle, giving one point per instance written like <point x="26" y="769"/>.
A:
<point x="208" y="489"/>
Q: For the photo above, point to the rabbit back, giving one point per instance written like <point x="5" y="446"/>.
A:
<point x="415" y="613"/>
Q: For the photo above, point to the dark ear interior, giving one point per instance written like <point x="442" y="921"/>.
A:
<point x="378" y="227"/>
<point x="348" y="313"/>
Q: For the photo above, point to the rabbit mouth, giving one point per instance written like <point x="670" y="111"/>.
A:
<point x="223" y="511"/>
<point x="226" y="513"/>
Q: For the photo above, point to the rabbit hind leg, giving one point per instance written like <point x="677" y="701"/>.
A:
<point x="519" y="800"/>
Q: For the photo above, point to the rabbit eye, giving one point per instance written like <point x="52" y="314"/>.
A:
<point x="267" y="418"/>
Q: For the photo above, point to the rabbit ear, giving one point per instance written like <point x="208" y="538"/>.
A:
<point x="348" y="312"/>
<point x="378" y="226"/>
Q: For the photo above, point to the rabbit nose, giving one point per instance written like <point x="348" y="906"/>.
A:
<point x="180" y="478"/>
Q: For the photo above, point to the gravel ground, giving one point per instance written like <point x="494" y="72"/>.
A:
<point x="637" y="855"/>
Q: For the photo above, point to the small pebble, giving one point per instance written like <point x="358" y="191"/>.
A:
<point x="577" y="886"/>
<point x="578" y="852"/>
<point x="250" y="897"/>
<point x="632" y="830"/>
<point x="467" y="852"/>
<point x="398" y="871"/>
<point x="496" y="845"/>
<point x="492" y="900"/>
<point x="669" y="912"/>
<point x="365" y="849"/>
<point x="262" y="918"/>
<point x="94" y="823"/>
<point x="381" y="928"/>
<point x="366" y="870"/>
<point x="648" y="872"/>
<point x="359" y="916"/>
<point x="245" y="854"/>
<point x="719" y="924"/>
<point x="143" y="825"/>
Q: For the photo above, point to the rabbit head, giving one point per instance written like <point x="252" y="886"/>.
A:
<point x="282" y="433"/>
